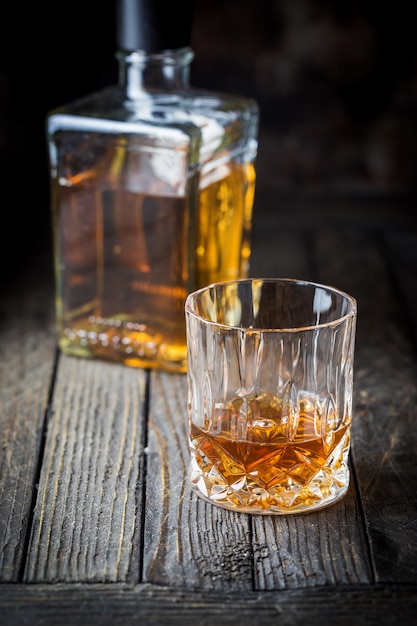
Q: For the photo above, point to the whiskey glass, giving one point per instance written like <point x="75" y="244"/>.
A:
<point x="269" y="377"/>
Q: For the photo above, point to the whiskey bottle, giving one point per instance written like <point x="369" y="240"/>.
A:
<point x="152" y="188"/>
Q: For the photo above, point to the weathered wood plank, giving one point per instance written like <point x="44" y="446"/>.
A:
<point x="109" y="604"/>
<point x="188" y="542"/>
<point x="87" y="517"/>
<point x="322" y="548"/>
<point x="27" y="352"/>
<point x="384" y="434"/>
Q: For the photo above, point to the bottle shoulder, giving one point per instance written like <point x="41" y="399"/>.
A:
<point x="106" y="103"/>
<point x="161" y="107"/>
<point x="212" y="119"/>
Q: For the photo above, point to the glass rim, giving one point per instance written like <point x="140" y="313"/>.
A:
<point x="352" y="313"/>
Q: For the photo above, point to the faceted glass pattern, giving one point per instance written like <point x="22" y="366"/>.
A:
<point x="270" y="373"/>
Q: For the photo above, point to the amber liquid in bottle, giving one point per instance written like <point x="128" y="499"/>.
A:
<point x="124" y="271"/>
<point x="224" y="226"/>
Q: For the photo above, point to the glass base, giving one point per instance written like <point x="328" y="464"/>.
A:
<point x="267" y="507"/>
<point x="272" y="488"/>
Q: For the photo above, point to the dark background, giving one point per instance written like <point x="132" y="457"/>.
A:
<point x="336" y="82"/>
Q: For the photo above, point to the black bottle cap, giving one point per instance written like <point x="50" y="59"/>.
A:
<point x="153" y="25"/>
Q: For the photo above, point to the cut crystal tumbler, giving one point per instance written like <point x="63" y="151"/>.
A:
<point x="270" y="372"/>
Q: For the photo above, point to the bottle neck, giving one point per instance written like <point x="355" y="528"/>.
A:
<point x="142" y="74"/>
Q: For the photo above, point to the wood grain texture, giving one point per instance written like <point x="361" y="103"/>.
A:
<point x="188" y="542"/>
<point x="107" y="605"/>
<point x="329" y="546"/>
<point x="322" y="548"/>
<point x="87" y="517"/>
<point x="27" y="351"/>
<point x="384" y="434"/>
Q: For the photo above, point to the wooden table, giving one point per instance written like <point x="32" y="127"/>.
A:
<point x="97" y="523"/>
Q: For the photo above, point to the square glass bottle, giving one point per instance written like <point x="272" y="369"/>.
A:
<point x="152" y="189"/>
